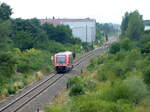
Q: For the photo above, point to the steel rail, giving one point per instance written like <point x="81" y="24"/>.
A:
<point x="31" y="98"/>
<point x="17" y="99"/>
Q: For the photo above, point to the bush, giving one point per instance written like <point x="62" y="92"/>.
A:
<point x="137" y="87"/>
<point x="3" y="93"/>
<point x="33" y="60"/>
<point x="116" y="92"/>
<point x="146" y="75"/>
<point x="76" y="86"/>
<point x="145" y="43"/>
<point x="55" y="47"/>
<point x="119" y="68"/>
<point x="90" y="85"/>
<point x="7" y="64"/>
<point x="114" y="48"/>
<point x="126" y="44"/>
<point x="132" y="89"/>
<point x="77" y="89"/>
<point x="102" y="75"/>
<point x="11" y="90"/>
<point x="96" y="61"/>
<point x="92" y="103"/>
<point x="74" y="81"/>
<point x="120" y="56"/>
<point x="132" y="59"/>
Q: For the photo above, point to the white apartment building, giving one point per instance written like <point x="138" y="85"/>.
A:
<point x="147" y="28"/>
<point x="85" y="29"/>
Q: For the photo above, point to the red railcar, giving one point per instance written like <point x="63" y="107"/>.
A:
<point x="63" y="61"/>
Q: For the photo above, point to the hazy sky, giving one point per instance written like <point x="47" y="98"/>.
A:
<point x="101" y="10"/>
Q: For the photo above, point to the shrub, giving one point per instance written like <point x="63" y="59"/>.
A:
<point x="119" y="56"/>
<point x="119" y="69"/>
<point x="117" y="91"/>
<point x="11" y="90"/>
<point x="56" y="47"/>
<point x="77" y="89"/>
<point x="132" y="89"/>
<point x="90" y="85"/>
<point x="145" y="43"/>
<point x="114" y="48"/>
<point x="4" y="92"/>
<point x="146" y="75"/>
<point x="7" y="64"/>
<point x="131" y="60"/>
<point x="76" y="86"/>
<point x="92" y="103"/>
<point x="101" y="75"/>
<point x="33" y="60"/>
<point x="126" y="44"/>
<point x="137" y="87"/>
<point x="74" y="81"/>
<point x="91" y="67"/>
<point x="96" y="61"/>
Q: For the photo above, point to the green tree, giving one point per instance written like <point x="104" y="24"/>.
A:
<point x="137" y="87"/>
<point x="5" y="12"/>
<point x="124" y="24"/>
<point x="98" y="34"/>
<point x="132" y="25"/>
<point x="108" y="28"/>
<point x="5" y="41"/>
<point x="50" y="30"/>
<point x="64" y="34"/>
<point x="23" y="40"/>
<point x="135" y="26"/>
<point x="60" y="33"/>
<point x="28" y="34"/>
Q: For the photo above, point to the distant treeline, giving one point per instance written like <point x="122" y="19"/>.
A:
<point x="108" y="28"/>
<point x="30" y="33"/>
<point x="147" y="22"/>
<point x="105" y="30"/>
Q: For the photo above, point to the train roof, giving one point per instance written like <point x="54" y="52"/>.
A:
<point x="64" y="53"/>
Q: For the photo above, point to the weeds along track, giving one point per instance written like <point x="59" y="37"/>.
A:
<point x="51" y="80"/>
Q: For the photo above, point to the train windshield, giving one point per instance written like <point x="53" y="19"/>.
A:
<point x="60" y="59"/>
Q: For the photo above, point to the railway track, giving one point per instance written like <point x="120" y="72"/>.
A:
<point x="28" y="96"/>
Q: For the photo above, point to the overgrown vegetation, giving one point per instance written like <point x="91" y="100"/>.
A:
<point x="26" y="47"/>
<point x="118" y="81"/>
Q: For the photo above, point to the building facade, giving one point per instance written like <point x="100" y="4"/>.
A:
<point x="85" y="29"/>
<point x="147" y="28"/>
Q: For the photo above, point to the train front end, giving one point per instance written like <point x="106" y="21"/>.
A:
<point x="63" y="62"/>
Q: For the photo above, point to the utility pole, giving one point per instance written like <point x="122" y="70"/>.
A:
<point x="92" y="36"/>
<point x="86" y="32"/>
